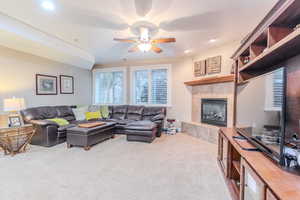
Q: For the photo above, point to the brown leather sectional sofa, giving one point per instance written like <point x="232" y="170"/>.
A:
<point x="139" y="123"/>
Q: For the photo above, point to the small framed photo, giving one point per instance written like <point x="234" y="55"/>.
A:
<point x="46" y="85"/>
<point x="66" y="84"/>
<point x="15" y="121"/>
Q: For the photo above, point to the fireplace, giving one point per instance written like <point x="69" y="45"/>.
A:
<point x="214" y="111"/>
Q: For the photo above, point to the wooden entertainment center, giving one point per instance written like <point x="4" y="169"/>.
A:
<point x="250" y="175"/>
<point x="246" y="171"/>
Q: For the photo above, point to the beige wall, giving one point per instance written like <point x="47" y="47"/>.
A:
<point x="182" y="70"/>
<point x="17" y="78"/>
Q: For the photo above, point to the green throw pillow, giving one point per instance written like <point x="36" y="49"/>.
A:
<point x="93" y="115"/>
<point x="104" y="111"/>
<point x="59" y="121"/>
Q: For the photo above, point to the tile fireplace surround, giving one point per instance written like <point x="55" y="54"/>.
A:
<point x="216" y="91"/>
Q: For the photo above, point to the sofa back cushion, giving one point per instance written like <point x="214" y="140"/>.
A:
<point x="150" y="112"/>
<point x="64" y="111"/>
<point x="39" y="113"/>
<point x="119" y="112"/>
<point x="135" y="112"/>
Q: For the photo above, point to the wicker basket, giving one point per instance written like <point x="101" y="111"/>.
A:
<point x="15" y="140"/>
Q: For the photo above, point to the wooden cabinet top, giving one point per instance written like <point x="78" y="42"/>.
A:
<point x="285" y="185"/>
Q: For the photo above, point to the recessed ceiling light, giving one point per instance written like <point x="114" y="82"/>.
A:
<point x="212" y="40"/>
<point x="48" y="5"/>
<point x="188" y="51"/>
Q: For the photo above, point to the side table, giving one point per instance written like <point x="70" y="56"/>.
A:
<point x="14" y="140"/>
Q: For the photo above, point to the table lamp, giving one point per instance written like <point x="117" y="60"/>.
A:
<point x="13" y="106"/>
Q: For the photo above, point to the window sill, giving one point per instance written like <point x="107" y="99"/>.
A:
<point x="152" y="105"/>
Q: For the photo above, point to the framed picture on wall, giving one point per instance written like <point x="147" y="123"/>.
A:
<point x="200" y="68"/>
<point x="66" y="84"/>
<point x="213" y="65"/>
<point x="46" y="85"/>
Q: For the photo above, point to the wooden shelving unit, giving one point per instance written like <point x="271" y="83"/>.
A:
<point x="210" y="80"/>
<point x="252" y="168"/>
<point x="273" y="41"/>
<point x="237" y="166"/>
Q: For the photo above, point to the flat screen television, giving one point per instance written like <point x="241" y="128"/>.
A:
<point x="264" y="114"/>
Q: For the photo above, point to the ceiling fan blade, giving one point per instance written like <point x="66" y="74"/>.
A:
<point x="193" y="23"/>
<point x="156" y="49"/>
<point x="124" y="40"/>
<point x="143" y="7"/>
<point x="133" y="49"/>
<point x="163" y="40"/>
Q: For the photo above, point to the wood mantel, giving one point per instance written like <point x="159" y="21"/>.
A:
<point x="211" y="80"/>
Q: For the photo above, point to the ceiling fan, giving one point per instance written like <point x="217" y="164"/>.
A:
<point x="144" y="43"/>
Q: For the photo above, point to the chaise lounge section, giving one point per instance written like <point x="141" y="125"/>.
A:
<point x="139" y="123"/>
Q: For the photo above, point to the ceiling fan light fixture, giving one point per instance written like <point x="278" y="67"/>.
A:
<point x="48" y="5"/>
<point x="144" y="34"/>
<point x="144" y="47"/>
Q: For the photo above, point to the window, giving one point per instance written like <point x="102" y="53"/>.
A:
<point x="109" y="86"/>
<point x="150" y="85"/>
<point x="278" y="89"/>
<point x="274" y="89"/>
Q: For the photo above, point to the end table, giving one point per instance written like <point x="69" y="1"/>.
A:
<point x="14" y="140"/>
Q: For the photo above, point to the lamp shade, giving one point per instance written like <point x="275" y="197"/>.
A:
<point x="14" y="104"/>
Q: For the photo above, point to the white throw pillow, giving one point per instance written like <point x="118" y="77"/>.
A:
<point x="80" y="113"/>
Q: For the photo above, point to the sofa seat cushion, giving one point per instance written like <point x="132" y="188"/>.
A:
<point x="144" y="125"/>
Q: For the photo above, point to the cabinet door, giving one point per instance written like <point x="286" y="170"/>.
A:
<point x="270" y="195"/>
<point x="252" y="188"/>
<point x="223" y="152"/>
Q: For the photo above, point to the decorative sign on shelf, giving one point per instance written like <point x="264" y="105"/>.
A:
<point x="200" y="68"/>
<point x="213" y="65"/>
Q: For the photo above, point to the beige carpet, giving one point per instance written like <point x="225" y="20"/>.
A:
<point x="176" y="167"/>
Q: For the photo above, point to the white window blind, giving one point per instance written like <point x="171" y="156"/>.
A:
<point x="278" y="89"/>
<point x="141" y="86"/>
<point x="109" y="87"/>
<point x="151" y="85"/>
<point x="159" y="86"/>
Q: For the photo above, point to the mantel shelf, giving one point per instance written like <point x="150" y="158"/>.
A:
<point x="211" y="80"/>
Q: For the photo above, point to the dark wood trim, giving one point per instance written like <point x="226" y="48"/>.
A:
<point x="60" y="83"/>
<point x="210" y="80"/>
<point x="36" y="84"/>
<point x="274" y="13"/>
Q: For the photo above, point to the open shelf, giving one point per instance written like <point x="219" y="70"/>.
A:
<point x="237" y="166"/>
<point x="273" y="41"/>
<point x="282" y="50"/>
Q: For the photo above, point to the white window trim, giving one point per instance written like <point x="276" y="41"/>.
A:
<point x="151" y="67"/>
<point x="111" y="69"/>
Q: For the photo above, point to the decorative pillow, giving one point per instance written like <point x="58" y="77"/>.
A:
<point x="104" y="111"/>
<point x="59" y="121"/>
<point x="80" y="113"/>
<point x="93" y="115"/>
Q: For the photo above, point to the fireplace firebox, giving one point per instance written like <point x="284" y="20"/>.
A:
<point x="214" y="111"/>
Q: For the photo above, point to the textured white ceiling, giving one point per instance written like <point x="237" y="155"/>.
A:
<point x="92" y="24"/>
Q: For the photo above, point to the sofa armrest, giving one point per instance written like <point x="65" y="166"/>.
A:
<point x="159" y="117"/>
<point x="43" y="123"/>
